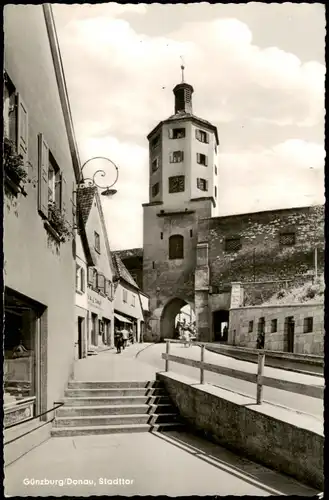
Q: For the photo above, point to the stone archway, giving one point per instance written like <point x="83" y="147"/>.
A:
<point x="169" y="313"/>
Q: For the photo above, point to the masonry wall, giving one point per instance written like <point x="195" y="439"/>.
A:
<point x="261" y="258"/>
<point x="36" y="265"/>
<point x="304" y="343"/>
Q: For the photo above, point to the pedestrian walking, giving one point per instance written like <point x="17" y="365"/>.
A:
<point x="118" y="340"/>
<point x="125" y="336"/>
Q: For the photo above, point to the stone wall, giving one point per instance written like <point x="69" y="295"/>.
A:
<point x="273" y="436"/>
<point x="261" y="257"/>
<point x="304" y="343"/>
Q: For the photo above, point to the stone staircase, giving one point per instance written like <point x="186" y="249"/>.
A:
<point x="112" y="407"/>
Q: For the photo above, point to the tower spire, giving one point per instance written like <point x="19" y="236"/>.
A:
<point x="182" y="68"/>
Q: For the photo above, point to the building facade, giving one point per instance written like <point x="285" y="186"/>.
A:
<point x="39" y="267"/>
<point x="100" y="275"/>
<point x="182" y="188"/>
<point x="128" y="306"/>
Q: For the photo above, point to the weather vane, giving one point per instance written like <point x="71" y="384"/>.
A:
<point x="182" y="68"/>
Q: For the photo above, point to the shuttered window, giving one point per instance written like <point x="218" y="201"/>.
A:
<point x="43" y="165"/>
<point x="202" y="184"/>
<point x="90" y="276"/>
<point x="101" y="282"/>
<point x="22" y="129"/>
<point x="176" y="157"/>
<point x="202" y="159"/>
<point x="202" y="136"/>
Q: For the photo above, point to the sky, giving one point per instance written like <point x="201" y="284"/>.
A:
<point x="258" y="74"/>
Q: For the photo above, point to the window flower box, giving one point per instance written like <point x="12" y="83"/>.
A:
<point x="57" y="225"/>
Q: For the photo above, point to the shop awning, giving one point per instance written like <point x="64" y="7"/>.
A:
<point x="121" y="318"/>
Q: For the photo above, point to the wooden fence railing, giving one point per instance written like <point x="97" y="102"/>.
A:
<point x="313" y="391"/>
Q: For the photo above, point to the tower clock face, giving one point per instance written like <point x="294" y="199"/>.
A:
<point x="176" y="184"/>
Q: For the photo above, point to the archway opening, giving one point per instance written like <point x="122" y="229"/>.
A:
<point x="175" y="311"/>
<point x="220" y="325"/>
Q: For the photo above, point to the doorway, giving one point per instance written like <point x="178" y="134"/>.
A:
<point x="94" y="332"/>
<point x="79" y="344"/>
<point x="290" y="333"/>
<point x="220" y="325"/>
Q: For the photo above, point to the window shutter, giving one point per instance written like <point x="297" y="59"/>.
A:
<point x="63" y="193"/>
<point x="198" y="183"/>
<point x="95" y="278"/>
<point x="206" y="185"/>
<point x="101" y="282"/>
<point x="22" y="128"/>
<point x="198" y="157"/>
<point x="171" y="156"/>
<point x="90" y="275"/>
<point x="206" y="161"/>
<point x="182" y="155"/>
<point x="207" y="138"/>
<point x="82" y="277"/>
<point x="171" y="133"/>
<point x="43" y="165"/>
<point x="197" y="134"/>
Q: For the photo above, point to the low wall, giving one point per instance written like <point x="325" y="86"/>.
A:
<point x="243" y="327"/>
<point x="276" y="437"/>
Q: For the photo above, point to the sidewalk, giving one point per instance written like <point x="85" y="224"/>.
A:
<point x="110" y="366"/>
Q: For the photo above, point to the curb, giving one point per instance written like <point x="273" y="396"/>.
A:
<point x="144" y="348"/>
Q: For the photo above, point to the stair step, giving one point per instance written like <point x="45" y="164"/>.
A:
<point x="78" y="421"/>
<point x="76" y="384"/>
<point x="112" y="429"/>
<point x="89" y="401"/>
<point x="157" y="409"/>
<point x="137" y="391"/>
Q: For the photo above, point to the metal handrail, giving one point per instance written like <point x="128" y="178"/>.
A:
<point x="58" y="403"/>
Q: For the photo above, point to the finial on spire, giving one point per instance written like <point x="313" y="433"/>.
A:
<point x="182" y="68"/>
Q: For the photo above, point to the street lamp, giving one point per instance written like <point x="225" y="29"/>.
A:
<point x="108" y="190"/>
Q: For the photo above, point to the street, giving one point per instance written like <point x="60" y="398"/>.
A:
<point x="311" y="406"/>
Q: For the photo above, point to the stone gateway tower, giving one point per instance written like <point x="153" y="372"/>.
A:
<point x="182" y="189"/>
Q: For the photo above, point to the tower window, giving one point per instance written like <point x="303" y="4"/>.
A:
<point x="215" y="148"/>
<point x="191" y="233"/>
<point x="177" y="184"/>
<point x="155" y="189"/>
<point x="202" y="159"/>
<point x="176" y="157"/>
<point x="161" y="236"/>
<point x="97" y="244"/>
<point x="155" y="164"/>
<point x="287" y="239"/>
<point x="215" y="191"/>
<point x="308" y="325"/>
<point x="274" y="325"/>
<point x="215" y="170"/>
<point x="232" y="244"/>
<point x="155" y="142"/>
<point x="201" y="136"/>
<point x="176" y="247"/>
<point x="177" y="133"/>
<point x="202" y="184"/>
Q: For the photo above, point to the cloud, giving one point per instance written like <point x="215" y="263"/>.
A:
<point x="120" y="86"/>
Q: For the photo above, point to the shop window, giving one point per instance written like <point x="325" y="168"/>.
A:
<point x="97" y="242"/>
<point x="202" y="159"/>
<point x="155" y="189"/>
<point x="21" y="359"/>
<point x="287" y="239"/>
<point x="274" y="325"/>
<point x="177" y="184"/>
<point x="177" y="133"/>
<point x="176" y="157"/>
<point x="202" y="184"/>
<point x="251" y="327"/>
<point x="124" y="295"/>
<point x="176" y="247"/>
<point x="232" y="244"/>
<point x="202" y="136"/>
<point x="308" y="325"/>
<point x="155" y="164"/>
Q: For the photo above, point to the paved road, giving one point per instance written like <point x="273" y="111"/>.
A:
<point x="311" y="406"/>
<point x="173" y="464"/>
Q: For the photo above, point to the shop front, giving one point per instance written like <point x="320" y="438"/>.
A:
<point x="101" y="320"/>
<point x="22" y="367"/>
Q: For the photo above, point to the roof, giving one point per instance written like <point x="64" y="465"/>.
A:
<point x="85" y="198"/>
<point x="122" y="272"/>
<point x="130" y="252"/>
